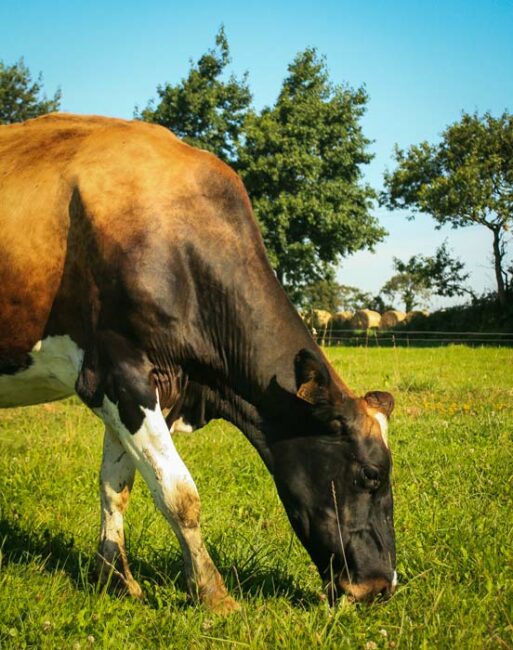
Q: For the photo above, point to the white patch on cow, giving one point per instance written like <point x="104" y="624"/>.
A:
<point x="381" y="418"/>
<point x="153" y="453"/>
<point x="394" y="580"/>
<point x="181" y="426"/>
<point x="116" y="478"/>
<point x="56" y="362"/>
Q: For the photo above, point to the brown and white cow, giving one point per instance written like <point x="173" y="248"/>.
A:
<point x="133" y="274"/>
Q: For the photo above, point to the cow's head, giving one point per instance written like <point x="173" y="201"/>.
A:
<point x="333" y="476"/>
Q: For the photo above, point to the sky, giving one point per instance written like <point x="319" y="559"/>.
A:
<point x="422" y="64"/>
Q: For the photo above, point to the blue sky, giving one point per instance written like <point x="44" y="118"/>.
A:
<point x="422" y="63"/>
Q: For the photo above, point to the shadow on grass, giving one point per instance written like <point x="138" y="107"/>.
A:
<point x="56" y="551"/>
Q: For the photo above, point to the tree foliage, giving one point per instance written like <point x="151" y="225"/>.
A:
<point x="322" y="294"/>
<point x="22" y="98"/>
<point x="333" y="297"/>
<point x="301" y="162"/>
<point x="300" y="159"/>
<point x="421" y="276"/>
<point x="408" y="288"/>
<point x="465" y="179"/>
<point x="205" y="109"/>
<point x="353" y="298"/>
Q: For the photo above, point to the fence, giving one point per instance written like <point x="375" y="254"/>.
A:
<point x="398" y="338"/>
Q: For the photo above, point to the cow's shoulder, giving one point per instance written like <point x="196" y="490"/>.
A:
<point x="140" y="173"/>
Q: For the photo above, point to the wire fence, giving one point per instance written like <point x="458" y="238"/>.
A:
<point x="398" y="338"/>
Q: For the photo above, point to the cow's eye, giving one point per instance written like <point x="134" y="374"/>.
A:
<point x="336" y="425"/>
<point x="370" y="477"/>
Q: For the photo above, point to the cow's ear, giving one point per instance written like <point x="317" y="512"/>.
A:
<point x="380" y="400"/>
<point x="312" y="377"/>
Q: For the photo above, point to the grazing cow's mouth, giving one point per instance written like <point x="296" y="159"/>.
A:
<point x="376" y="589"/>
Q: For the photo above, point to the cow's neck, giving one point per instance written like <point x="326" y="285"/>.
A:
<point x="244" y="371"/>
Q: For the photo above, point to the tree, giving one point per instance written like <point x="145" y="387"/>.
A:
<point x="408" y="288"/>
<point x="301" y="162"/>
<point x="378" y="303"/>
<point x="21" y="98"/>
<point x="203" y="109"/>
<point x="465" y="179"/>
<point x="421" y="276"/>
<point x="322" y="294"/>
<point x="509" y="279"/>
<point x="352" y="298"/>
<point x="331" y="296"/>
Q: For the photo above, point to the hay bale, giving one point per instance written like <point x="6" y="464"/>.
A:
<point x="321" y="318"/>
<point x="341" y="320"/>
<point x="365" y="319"/>
<point x="317" y="319"/>
<point x="391" y="319"/>
<point x="343" y="316"/>
<point x="417" y="315"/>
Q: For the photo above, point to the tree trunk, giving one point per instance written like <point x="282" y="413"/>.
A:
<point x="498" y="254"/>
<point x="409" y="300"/>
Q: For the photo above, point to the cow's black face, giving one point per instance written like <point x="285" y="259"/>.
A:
<point x="333" y="476"/>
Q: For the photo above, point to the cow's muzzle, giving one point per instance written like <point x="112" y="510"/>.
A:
<point x="366" y="592"/>
<point x="362" y="592"/>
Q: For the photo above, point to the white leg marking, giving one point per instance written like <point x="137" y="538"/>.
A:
<point x="381" y="419"/>
<point x="116" y="480"/>
<point x="56" y="362"/>
<point x="152" y="450"/>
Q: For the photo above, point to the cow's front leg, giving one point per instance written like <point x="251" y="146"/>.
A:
<point x="116" y="480"/>
<point x="152" y="451"/>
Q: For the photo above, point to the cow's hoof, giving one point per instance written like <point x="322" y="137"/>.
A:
<point x="133" y="588"/>
<point x="222" y="605"/>
<point x="115" y="580"/>
<point x="121" y="586"/>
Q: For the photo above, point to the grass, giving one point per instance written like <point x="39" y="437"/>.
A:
<point x="452" y="440"/>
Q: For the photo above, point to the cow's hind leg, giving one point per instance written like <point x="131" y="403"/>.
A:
<point x="116" y="480"/>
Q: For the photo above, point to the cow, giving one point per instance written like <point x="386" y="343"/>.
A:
<point x="134" y="275"/>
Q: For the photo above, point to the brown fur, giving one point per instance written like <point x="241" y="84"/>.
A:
<point x="56" y="169"/>
<point x="371" y="425"/>
<point x="124" y="497"/>
<point x="365" y="591"/>
<point x="187" y="506"/>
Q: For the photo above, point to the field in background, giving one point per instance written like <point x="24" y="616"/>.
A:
<point x="452" y="440"/>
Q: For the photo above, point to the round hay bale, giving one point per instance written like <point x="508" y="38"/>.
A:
<point x="365" y="319"/>
<point x="317" y="319"/>
<point x="341" y="320"/>
<point x="420" y="315"/>
<point x="343" y="316"/>
<point x="391" y="319"/>
<point x="321" y="318"/>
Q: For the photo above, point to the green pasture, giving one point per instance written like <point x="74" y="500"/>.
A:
<point x="452" y="440"/>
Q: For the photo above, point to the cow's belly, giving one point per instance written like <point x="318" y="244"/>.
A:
<point x="56" y="362"/>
